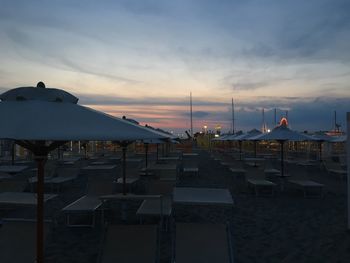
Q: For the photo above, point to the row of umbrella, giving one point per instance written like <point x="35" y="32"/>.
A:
<point x="281" y="134"/>
<point x="41" y="119"/>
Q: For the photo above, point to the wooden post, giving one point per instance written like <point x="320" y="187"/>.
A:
<point x="124" y="169"/>
<point x="40" y="209"/>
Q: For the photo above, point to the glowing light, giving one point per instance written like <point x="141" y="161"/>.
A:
<point x="284" y="122"/>
<point x="268" y="130"/>
<point x="216" y="135"/>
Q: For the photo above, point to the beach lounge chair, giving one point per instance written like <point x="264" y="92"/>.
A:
<point x="237" y="168"/>
<point x="190" y="164"/>
<point x="260" y="185"/>
<point x="160" y="207"/>
<point x="89" y="203"/>
<point x="309" y="188"/>
<point x="334" y="168"/>
<point x="255" y="179"/>
<point x="17" y="241"/>
<point x="130" y="243"/>
<point x="204" y="243"/>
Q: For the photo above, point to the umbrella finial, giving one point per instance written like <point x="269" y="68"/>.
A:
<point x="41" y="85"/>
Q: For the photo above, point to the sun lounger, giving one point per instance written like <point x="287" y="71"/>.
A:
<point x="89" y="203"/>
<point x="18" y="241"/>
<point x="192" y="170"/>
<point x="261" y="184"/>
<point x="22" y="199"/>
<point x="160" y="207"/>
<point x="307" y="186"/>
<point x="334" y="168"/>
<point x="130" y="243"/>
<point x="202" y="243"/>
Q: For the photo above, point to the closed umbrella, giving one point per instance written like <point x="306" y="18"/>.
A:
<point x="41" y="119"/>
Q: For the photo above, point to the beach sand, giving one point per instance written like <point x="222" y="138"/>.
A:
<point x="284" y="228"/>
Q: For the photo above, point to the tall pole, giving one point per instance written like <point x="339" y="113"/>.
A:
<point x="263" y="129"/>
<point x="348" y="157"/>
<point x="233" y="118"/>
<point x="191" y="115"/>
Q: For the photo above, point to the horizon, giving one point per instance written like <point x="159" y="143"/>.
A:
<point x="142" y="59"/>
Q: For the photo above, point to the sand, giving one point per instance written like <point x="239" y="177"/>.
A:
<point x="284" y="228"/>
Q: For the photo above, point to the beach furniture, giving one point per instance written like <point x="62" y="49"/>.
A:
<point x="190" y="164"/>
<point x="130" y="183"/>
<point x="255" y="179"/>
<point x="161" y="207"/>
<point x="309" y="188"/>
<point x="165" y="172"/>
<point x="261" y="185"/>
<point x="237" y="168"/>
<point x="202" y="196"/>
<point x="57" y="178"/>
<point x="12" y="169"/>
<point x="17" y="240"/>
<point x="205" y="243"/>
<point x="130" y="243"/>
<point x="334" y="168"/>
<point x="89" y="203"/>
<point x="16" y="199"/>
<point x="99" y="167"/>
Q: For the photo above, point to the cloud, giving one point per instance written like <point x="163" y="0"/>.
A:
<point x="248" y="85"/>
<point x="197" y="114"/>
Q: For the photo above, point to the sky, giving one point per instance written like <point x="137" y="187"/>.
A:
<point x="141" y="59"/>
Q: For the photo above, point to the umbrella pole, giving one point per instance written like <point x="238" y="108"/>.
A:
<point x="146" y="149"/>
<point x="254" y="149"/>
<point x="40" y="210"/>
<point x="124" y="170"/>
<point x="240" y="150"/>
<point x="13" y="153"/>
<point x="282" y="158"/>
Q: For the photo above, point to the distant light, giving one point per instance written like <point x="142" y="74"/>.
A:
<point x="268" y="130"/>
<point x="217" y="135"/>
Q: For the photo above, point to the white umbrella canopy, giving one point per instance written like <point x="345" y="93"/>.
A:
<point x="62" y="121"/>
<point x="282" y="134"/>
<point x="40" y="119"/>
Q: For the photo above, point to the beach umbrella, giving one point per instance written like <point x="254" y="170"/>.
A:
<point x="321" y="138"/>
<point x="281" y="134"/>
<point x="252" y="134"/>
<point x="153" y="141"/>
<point x="238" y="137"/>
<point x="41" y="119"/>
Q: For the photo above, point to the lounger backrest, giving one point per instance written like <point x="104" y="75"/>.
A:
<point x="130" y="243"/>
<point x="202" y="243"/>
